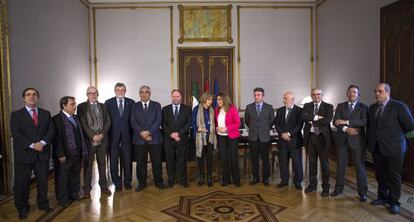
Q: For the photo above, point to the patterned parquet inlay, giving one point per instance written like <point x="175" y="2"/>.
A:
<point x="224" y="206"/>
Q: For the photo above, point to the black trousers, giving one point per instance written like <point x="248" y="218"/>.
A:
<point x="100" y="152"/>
<point x="358" y="157"/>
<point x="285" y="155"/>
<point x="67" y="179"/>
<point x="388" y="175"/>
<point x="176" y="160"/>
<point x="318" y="147"/>
<point x="141" y="156"/>
<point x="260" y="148"/>
<point x="121" y="151"/>
<point x="206" y="159"/>
<point x="229" y="158"/>
<point x="22" y="178"/>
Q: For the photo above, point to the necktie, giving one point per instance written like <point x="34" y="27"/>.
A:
<point x="288" y="110"/>
<point x="145" y="107"/>
<point x="73" y="121"/>
<point x="258" y="108"/>
<point x="121" y="107"/>
<point x="379" y="113"/>
<point x="35" y="117"/>
<point x="350" y="108"/>
<point x="316" y="130"/>
<point x="175" y="112"/>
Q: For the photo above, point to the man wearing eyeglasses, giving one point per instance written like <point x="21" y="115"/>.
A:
<point x="32" y="131"/>
<point x="96" y="123"/>
<point x="146" y="119"/>
<point x="317" y="116"/>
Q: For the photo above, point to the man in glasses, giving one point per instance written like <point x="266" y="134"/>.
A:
<point x="317" y="116"/>
<point x="32" y="131"/>
<point x="146" y="119"/>
<point x="96" y="123"/>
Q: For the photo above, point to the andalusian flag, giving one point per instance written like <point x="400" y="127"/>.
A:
<point x="195" y="94"/>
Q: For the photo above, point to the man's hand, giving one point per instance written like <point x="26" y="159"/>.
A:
<point x="340" y="122"/>
<point x="145" y="134"/>
<point x="148" y="138"/>
<point x="352" y="131"/>
<point x="202" y="129"/>
<point x="97" y="137"/>
<point x="38" y="146"/>
<point x="62" y="159"/>
<point x="285" y="136"/>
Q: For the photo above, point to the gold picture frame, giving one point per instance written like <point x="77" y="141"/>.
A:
<point x="205" y="24"/>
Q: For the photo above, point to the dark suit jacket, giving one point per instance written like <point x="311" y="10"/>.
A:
<point x="325" y="110"/>
<point x="259" y="125"/>
<point x="89" y="133"/>
<point x="120" y="129"/>
<point x="358" y="119"/>
<point x="25" y="133"/>
<point x="293" y="126"/>
<point x="149" y="120"/>
<point x="182" y="125"/>
<point x="60" y="143"/>
<point x="396" y="120"/>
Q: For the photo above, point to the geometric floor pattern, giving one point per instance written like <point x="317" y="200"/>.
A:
<point x="223" y="206"/>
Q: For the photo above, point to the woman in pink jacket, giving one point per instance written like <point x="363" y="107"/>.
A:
<point x="228" y="123"/>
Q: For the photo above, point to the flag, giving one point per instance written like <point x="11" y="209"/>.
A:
<point x="215" y="91"/>
<point x="206" y="85"/>
<point x="195" y="94"/>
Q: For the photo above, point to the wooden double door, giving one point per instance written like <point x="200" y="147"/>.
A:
<point x="397" y="62"/>
<point x="203" y="67"/>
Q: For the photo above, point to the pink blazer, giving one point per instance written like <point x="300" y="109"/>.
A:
<point x="232" y="121"/>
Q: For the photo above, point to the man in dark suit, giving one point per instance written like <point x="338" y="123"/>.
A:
<point x="289" y="126"/>
<point x="146" y="119"/>
<point x="32" y="131"/>
<point x="120" y="134"/>
<point x="96" y="123"/>
<point x="176" y="123"/>
<point x="69" y="150"/>
<point x="317" y="116"/>
<point x="388" y="121"/>
<point x="259" y="117"/>
<point x="351" y="119"/>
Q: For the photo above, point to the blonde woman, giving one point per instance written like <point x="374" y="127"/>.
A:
<point x="204" y="131"/>
<point x="228" y="123"/>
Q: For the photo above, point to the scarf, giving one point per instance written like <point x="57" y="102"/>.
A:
<point x="94" y="117"/>
<point x="201" y="139"/>
<point x="70" y="136"/>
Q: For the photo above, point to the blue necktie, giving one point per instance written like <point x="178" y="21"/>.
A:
<point x="121" y="107"/>
<point x="73" y="121"/>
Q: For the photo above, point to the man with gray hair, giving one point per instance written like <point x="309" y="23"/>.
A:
<point x="96" y="123"/>
<point x="317" y="116"/>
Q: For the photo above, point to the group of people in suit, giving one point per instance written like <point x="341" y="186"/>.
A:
<point x="129" y="130"/>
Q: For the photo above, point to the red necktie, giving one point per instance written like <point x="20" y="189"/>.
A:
<point x="35" y="119"/>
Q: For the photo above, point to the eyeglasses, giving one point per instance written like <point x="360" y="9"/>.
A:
<point x="142" y="92"/>
<point x="92" y="93"/>
<point x="316" y="94"/>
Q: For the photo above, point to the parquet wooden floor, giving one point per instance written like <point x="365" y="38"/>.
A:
<point x="147" y="205"/>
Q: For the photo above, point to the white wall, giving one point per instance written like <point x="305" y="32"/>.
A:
<point x="349" y="47"/>
<point x="48" y="49"/>
<point x="275" y="53"/>
<point x="133" y="47"/>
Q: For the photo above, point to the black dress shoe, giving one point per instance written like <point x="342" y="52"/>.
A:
<point x="118" y="189"/>
<point x="378" y="201"/>
<point x="140" y="188"/>
<point x="128" y="187"/>
<point x="298" y="187"/>
<point x="363" y="198"/>
<point x="282" y="184"/>
<point x="266" y="182"/>
<point x="310" y="189"/>
<point x="185" y="185"/>
<point x="253" y="182"/>
<point x="394" y="209"/>
<point x="64" y="204"/>
<point x="201" y="180"/>
<point x="170" y="185"/>
<point x="106" y="191"/>
<point x="224" y="184"/>
<point x="336" y="193"/>
<point x="45" y="209"/>
<point x="23" y="215"/>
<point x="237" y="184"/>
<point x="325" y="193"/>
<point x="160" y="186"/>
